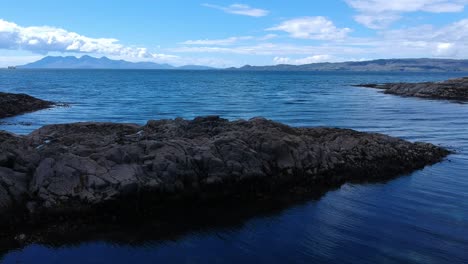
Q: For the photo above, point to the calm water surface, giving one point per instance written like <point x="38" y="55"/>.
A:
<point x="421" y="218"/>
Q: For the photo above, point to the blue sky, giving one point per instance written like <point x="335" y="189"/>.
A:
<point x="233" y="33"/>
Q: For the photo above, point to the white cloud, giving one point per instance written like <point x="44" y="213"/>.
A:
<point x="319" y="28"/>
<point x="306" y="60"/>
<point x="314" y="59"/>
<point x="447" y="41"/>
<point x="162" y="57"/>
<point x="450" y="41"/>
<point x="46" y="39"/>
<point x="378" y="14"/>
<point x="455" y="32"/>
<point x="282" y="60"/>
<point x="401" y="6"/>
<point x="227" y="41"/>
<point x="268" y="36"/>
<point x="240" y="9"/>
<point x="278" y="49"/>
<point x="377" y="21"/>
<point x="445" y="49"/>
<point x="222" y="42"/>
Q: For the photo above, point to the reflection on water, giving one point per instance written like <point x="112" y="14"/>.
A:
<point x="418" y="219"/>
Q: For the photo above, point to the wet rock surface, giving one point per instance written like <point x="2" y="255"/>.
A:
<point x="82" y="167"/>
<point x="15" y="104"/>
<point x="454" y="89"/>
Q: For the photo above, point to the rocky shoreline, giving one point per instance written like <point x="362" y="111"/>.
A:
<point x="454" y="89"/>
<point x="15" y="104"/>
<point x="106" y="168"/>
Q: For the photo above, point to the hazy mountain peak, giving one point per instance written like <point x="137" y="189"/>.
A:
<point x="89" y="62"/>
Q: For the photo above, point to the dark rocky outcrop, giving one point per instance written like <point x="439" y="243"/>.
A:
<point x="88" y="167"/>
<point x="15" y="104"/>
<point x="454" y="89"/>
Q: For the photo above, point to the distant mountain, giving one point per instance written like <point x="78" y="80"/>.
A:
<point x="88" y="62"/>
<point x="391" y="65"/>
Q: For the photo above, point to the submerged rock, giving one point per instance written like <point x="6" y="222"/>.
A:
<point x="72" y="168"/>
<point x="454" y="89"/>
<point x="15" y="104"/>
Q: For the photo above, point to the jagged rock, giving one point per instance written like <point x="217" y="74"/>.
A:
<point x="455" y="89"/>
<point x="15" y="104"/>
<point x="72" y="167"/>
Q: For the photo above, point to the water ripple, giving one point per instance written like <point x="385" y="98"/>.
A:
<point x="420" y="218"/>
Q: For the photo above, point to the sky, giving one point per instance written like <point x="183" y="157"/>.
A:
<point x="233" y="33"/>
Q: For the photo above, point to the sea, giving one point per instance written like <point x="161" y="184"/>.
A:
<point x="417" y="218"/>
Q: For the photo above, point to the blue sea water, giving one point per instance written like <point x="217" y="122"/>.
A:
<point x="418" y="218"/>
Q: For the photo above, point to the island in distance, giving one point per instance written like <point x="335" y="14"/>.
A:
<point x="390" y="65"/>
<point x="381" y="65"/>
<point x="88" y="62"/>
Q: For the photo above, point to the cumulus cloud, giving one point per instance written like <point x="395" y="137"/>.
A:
<point x="44" y="39"/>
<point x="306" y="60"/>
<point x="377" y="14"/>
<point x="445" y="49"/>
<point x="449" y="41"/>
<point x="282" y="60"/>
<point x="240" y="9"/>
<point x="455" y="32"/>
<point x="319" y="28"/>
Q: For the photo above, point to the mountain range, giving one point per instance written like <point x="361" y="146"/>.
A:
<point x="88" y="62"/>
<point x="382" y="65"/>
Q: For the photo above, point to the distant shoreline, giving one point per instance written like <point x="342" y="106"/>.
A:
<point x="230" y="70"/>
<point x="380" y="65"/>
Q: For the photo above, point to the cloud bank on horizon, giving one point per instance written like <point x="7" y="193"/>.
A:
<point x="44" y="39"/>
<point x="246" y="33"/>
